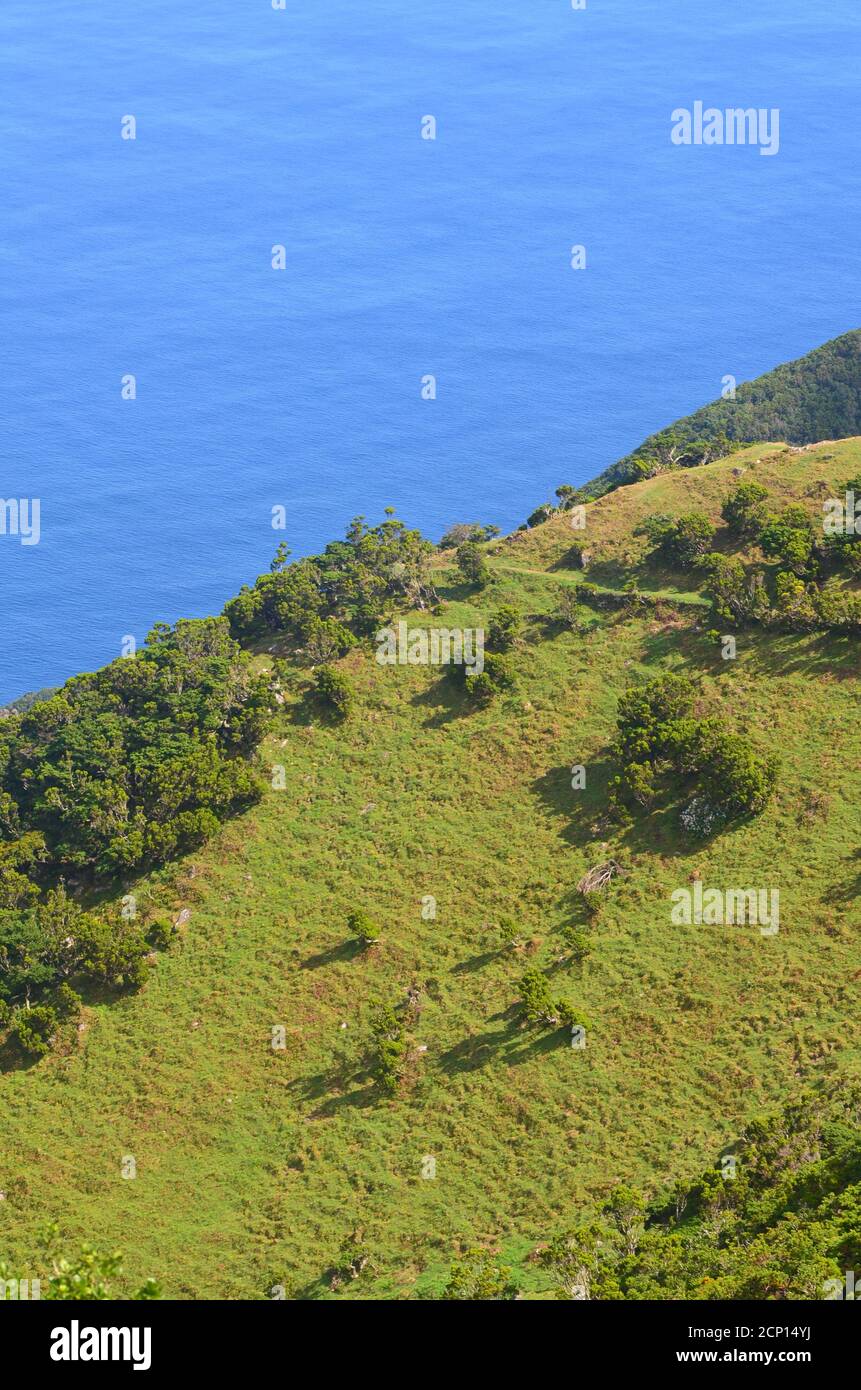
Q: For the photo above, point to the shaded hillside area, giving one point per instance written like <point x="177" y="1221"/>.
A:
<point x="814" y="398"/>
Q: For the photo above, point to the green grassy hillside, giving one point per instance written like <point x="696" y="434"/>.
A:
<point x="258" y="1167"/>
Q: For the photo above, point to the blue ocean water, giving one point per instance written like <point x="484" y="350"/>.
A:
<point x="404" y="257"/>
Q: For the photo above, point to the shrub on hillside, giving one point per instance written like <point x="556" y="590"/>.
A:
<point x="389" y="1047"/>
<point x="737" y="595"/>
<point x="360" y="925"/>
<point x="135" y="763"/>
<point x="335" y="691"/>
<point x="745" y="510"/>
<point x="789" y="538"/>
<point x="538" y="1006"/>
<point x="497" y="677"/>
<point x="472" y="564"/>
<point x="659" y="738"/>
<point x="682" y="542"/>
<point x="504" y="628"/>
<point x="579" y="942"/>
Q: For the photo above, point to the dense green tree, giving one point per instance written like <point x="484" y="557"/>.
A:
<point x="536" y="1001"/>
<point x="790" y="540"/>
<point x="684" y="541"/>
<point x="504" y="628"/>
<point x="477" y="1277"/>
<point x="361" y="926"/>
<point x="472" y="564"/>
<point x="327" y="639"/>
<point x="483" y="686"/>
<point x="625" y="1208"/>
<point x="659" y="737"/>
<point x="581" y="1263"/>
<point x="335" y="690"/>
<point x="389" y="1047"/>
<point x="745" y="510"/>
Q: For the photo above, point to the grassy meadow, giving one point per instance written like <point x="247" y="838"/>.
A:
<point x="255" y="1165"/>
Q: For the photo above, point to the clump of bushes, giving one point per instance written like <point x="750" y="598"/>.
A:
<point x="800" y="595"/>
<point x="504" y="628"/>
<point x="354" y="582"/>
<point x="335" y="691"/>
<point x="51" y="943"/>
<point x="389" y="1047"/>
<point x="360" y="925"/>
<point x="681" y="542"/>
<point x="660" y="743"/>
<point x="34" y="1029"/>
<point x="538" y="1006"/>
<point x="134" y="764"/>
<point x="790" y="539"/>
<point x="472" y="564"/>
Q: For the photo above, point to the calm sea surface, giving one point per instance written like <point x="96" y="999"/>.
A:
<point x="405" y="258"/>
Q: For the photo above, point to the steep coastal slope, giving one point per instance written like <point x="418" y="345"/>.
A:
<point x="816" y="397"/>
<point x="260" y="1165"/>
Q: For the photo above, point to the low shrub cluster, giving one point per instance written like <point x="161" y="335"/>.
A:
<point x="777" y="1218"/>
<point x="662" y="746"/>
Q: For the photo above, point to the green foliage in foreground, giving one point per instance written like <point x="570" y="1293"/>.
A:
<point x="83" y="1277"/>
<point x="778" y="1217"/>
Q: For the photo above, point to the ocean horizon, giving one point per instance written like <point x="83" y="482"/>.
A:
<point x="405" y="258"/>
